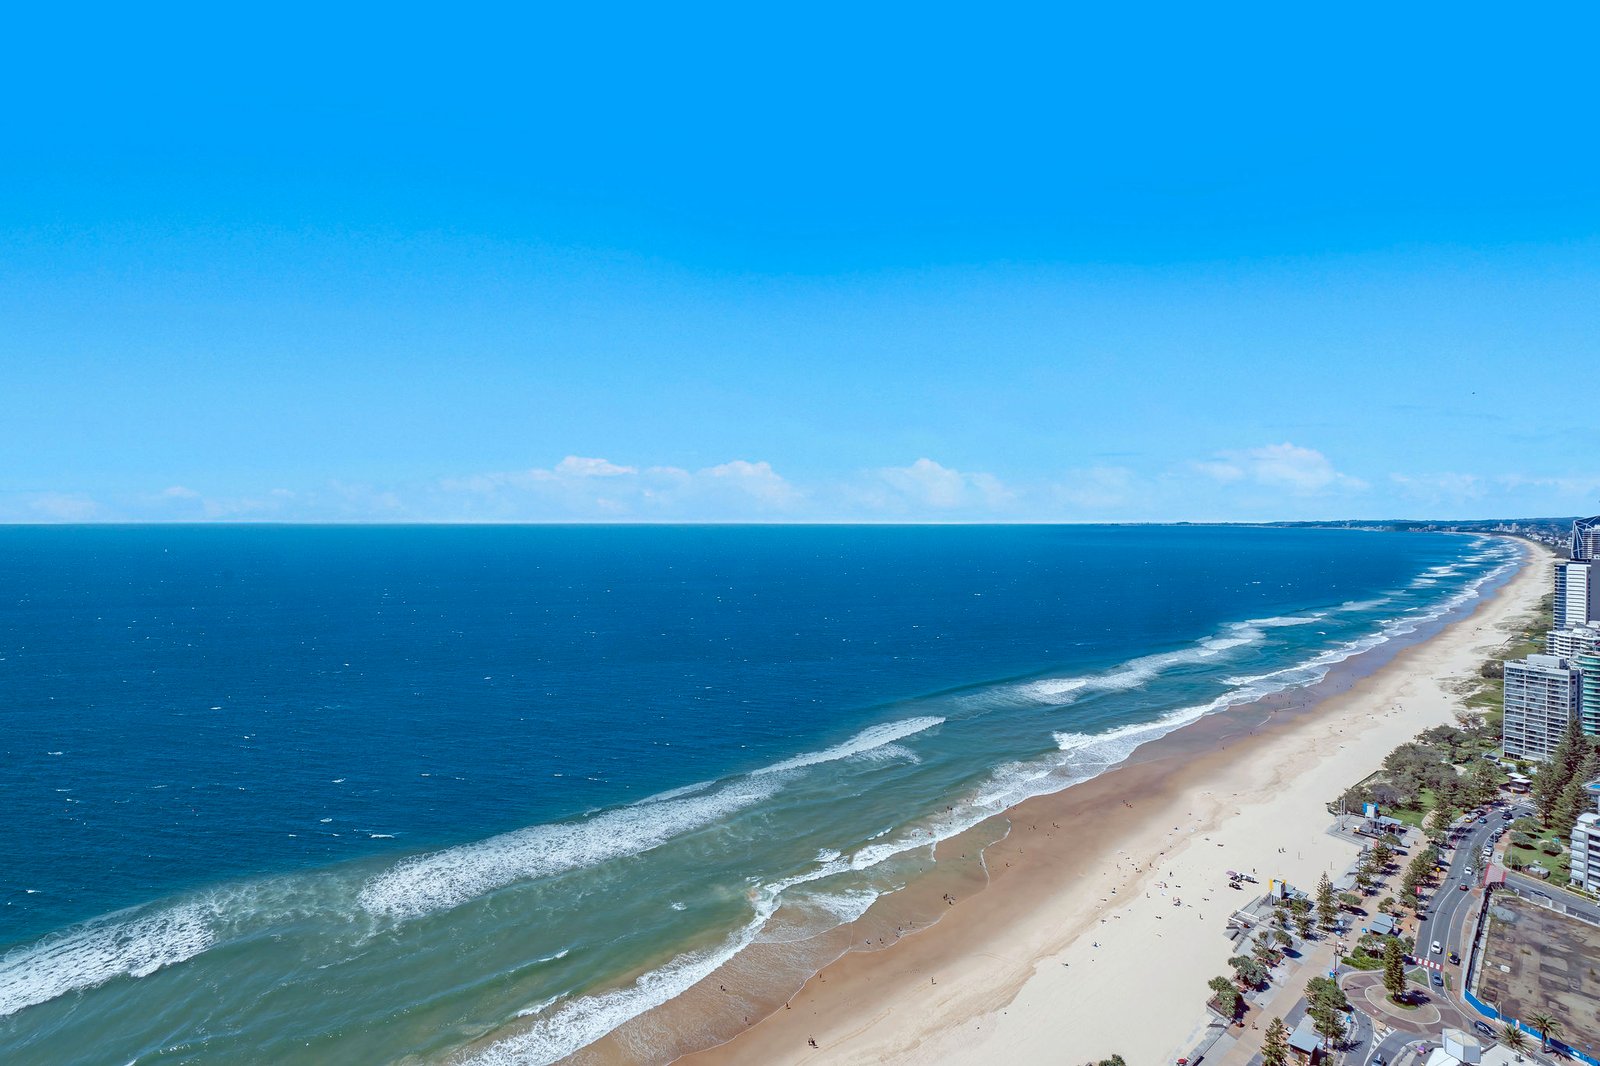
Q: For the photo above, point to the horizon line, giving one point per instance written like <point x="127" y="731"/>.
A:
<point x="108" y="523"/>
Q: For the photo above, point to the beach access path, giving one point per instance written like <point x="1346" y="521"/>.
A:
<point x="1100" y="938"/>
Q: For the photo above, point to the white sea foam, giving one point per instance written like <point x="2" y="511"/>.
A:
<point x="95" y="952"/>
<point x="582" y="1021"/>
<point x="844" y="907"/>
<point x="537" y="1008"/>
<point x="1052" y="689"/>
<point x="1079" y="757"/>
<point x="442" y="880"/>
<point x="445" y="879"/>
<point x="1138" y="672"/>
<point x="863" y="742"/>
<point x="1082" y="756"/>
<point x="890" y="753"/>
<point x="675" y="793"/>
<point x="1364" y="605"/>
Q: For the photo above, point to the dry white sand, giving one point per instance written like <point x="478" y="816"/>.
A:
<point x="1077" y="949"/>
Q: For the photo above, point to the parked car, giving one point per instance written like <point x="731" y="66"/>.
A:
<point x="1485" y="1029"/>
<point x="1454" y="958"/>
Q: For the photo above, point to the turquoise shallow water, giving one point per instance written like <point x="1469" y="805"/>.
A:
<point x="370" y="795"/>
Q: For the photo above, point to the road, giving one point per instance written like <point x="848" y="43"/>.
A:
<point x="1369" y="1041"/>
<point x="1448" y="909"/>
<point x="1447" y="914"/>
<point x="1575" y="905"/>
<point x="1392" y="1044"/>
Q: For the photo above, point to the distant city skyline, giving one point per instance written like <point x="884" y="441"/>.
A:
<point x="692" y="267"/>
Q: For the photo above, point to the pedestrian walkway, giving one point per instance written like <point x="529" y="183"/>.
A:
<point x="1316" y="959"/>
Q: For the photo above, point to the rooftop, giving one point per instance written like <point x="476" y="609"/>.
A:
<point x="1305" y="1038"/>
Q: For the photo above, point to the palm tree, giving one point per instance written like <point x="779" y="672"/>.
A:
<point x="1513" y="1037"/>
<point x="1544" y="1023"/>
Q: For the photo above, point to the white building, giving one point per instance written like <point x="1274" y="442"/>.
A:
<point x="1459" y="1048"/>
<point x="1586" y="846"/>
<point x="1572" y="640"/>
<point x="1577" y="596"/>
<point x="1542" y="696"/>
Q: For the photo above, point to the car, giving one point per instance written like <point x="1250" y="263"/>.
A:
<point x="1483" y="821"/>
<point x="1485" y="1029"/>
<point x="1437" y="947"/>
<point x="1455" y="959"/>
<point x="1438" y="979"/>
<point x="1463" y="886"/>
<point x="1379" y="1060"/>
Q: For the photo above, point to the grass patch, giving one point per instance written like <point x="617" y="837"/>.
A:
<point x="1413" y="816"/>
<point x="1520" y="855"/>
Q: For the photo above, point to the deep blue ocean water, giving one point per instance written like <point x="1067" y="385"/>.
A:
<point x="424" y="766"/>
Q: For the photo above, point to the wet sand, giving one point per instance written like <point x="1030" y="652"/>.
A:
<point x="1105" y="907"/>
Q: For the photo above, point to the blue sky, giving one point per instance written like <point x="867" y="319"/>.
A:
<point x="800" y="264"/>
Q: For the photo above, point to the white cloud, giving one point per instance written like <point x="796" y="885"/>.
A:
<point x="1586" y="487"/>
<point x="578" y="466"/>
<point x="1441" y="487"/>
<point x="1097" y="488"/>
<point x="179" y="492"/>
<point x="928" y="484"/>
<point x="579" y="487"/>
<point x="756" y="480"/>
<point x="1303" y="471"/>
<point x="275" y="503"/>
<point x="64" y="507"/>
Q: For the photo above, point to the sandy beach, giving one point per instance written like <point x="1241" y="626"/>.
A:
<point x="1105" y="913"/>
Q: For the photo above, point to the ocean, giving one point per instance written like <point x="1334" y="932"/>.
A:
<point x="484" y="794"/>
